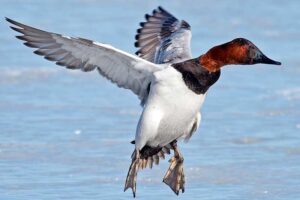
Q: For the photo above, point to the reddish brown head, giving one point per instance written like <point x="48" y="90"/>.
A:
<point x="239" y="51"/>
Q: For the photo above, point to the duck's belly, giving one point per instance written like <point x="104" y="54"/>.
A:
<point x="170" y="111"/>
<point x="178" y="120"/>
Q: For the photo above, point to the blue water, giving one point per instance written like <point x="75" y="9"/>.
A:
<point x="65" y="134"/>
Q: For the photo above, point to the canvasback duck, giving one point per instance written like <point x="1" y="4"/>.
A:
<point x="170" y="83"/>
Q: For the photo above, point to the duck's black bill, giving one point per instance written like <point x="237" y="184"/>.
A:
<point x="265" y="60"/>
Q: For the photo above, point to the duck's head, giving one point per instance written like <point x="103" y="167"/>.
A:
<point x="239" y="51"/>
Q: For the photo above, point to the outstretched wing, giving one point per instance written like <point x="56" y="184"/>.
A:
<point x="163" y="38"/>
<point x="127" y="71"/>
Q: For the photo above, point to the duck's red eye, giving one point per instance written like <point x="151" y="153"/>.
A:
<point x="254" y="53"/>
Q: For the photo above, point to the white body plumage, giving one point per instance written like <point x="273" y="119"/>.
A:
<point x="172" y="110"/>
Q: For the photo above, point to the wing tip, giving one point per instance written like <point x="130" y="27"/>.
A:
<point x="16" y="29"/>
<point x="38" y="52"/>
<point x="142" y="24"/>
<point x="137" y="36"/>
<point x="138" y="53"/>
<point x="136" y="44"/>
<point x="21" y="37"/>
<point x="9" y="20"/>
<point x="16" y="26"/>
<point x="29" y="44"/>
<point x="147" y="16"/>
<point x="160" y="8"/>
<point x="13" y="22"/>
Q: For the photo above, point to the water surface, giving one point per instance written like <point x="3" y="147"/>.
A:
<point x="65" y="134"/>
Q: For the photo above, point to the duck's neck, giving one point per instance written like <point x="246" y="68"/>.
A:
<point x="196" y="77"/>
<point x="209" y="63"/>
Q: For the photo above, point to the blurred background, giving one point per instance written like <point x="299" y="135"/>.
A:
<point x="65" y="134"/>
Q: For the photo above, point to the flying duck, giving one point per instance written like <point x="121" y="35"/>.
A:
<point x="170" y="83"/>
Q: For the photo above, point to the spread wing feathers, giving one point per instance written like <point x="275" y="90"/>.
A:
<point x="163" y="38"/>
<point x="127" y="71"/>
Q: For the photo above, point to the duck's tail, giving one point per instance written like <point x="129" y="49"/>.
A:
<point x="150" y="155"/>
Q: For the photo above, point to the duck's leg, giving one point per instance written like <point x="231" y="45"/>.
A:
<point x="174" y="177"/>
<point x="132" y="173"/>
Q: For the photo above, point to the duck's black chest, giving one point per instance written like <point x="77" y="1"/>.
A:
<point x="196" y="77"/>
